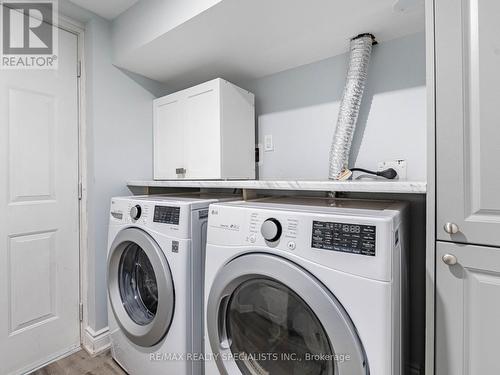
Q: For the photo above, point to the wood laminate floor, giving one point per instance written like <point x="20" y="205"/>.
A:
<point x="81" y="363"/>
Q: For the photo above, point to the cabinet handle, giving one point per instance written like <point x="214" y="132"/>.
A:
<point x="180" y="170"/>
<point x="450" y="259"/>
<point x="451" y="228"/>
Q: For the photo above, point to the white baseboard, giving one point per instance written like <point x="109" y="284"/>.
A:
<point x="96" y="342"/>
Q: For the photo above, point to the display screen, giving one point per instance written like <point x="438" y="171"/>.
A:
<point x="347" y="238"/>
<point x="167" y="215"/>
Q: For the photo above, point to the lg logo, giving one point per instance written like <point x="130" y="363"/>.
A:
<point x="29" y="35"/>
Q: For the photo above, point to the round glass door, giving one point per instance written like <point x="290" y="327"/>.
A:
<point x="264" y="316"/>
<point x="140" y="287"/>
<point x="268" y="316"/>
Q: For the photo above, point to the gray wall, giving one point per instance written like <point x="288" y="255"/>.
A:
<point x="299" y="108"/>
<point x="119" y="139"/>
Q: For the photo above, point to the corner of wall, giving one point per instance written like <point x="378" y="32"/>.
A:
<point x="96" y="342"/>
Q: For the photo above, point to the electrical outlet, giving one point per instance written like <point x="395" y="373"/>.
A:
<point x="268" y="143"/>
<point x="398" y="165"/>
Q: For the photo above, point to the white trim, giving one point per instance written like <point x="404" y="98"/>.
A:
<point x="96" y="342"/>
<point x="431" y="192"/>
<point x="71" y="25"/>
<point x="78" y="29"/>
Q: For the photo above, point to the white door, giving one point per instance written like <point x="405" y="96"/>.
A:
<point x="168" y="137"/>
<point x="202" y="147"/>
<point x="39" y="221"/>
<point x="467" y="310"/>
<point x="467" y="120"/>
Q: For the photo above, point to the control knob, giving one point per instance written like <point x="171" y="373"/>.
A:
<point x="135" y="212"/>
<point x="271" y="230"/>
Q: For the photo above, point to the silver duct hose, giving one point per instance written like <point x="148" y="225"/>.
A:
<point x="361" y="49"/>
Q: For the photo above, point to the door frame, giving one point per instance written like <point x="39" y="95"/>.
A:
<point x="78" y="29"/>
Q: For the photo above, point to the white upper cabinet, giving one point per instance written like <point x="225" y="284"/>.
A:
<point x="468" y="120"/>
<point x="205" y="132"/>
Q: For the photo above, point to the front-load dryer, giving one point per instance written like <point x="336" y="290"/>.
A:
<point x="155" y="282"/>
<point x="305" y="286"/>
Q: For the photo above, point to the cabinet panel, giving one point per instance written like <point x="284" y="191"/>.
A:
<point x="467" y="310"/>
<point x="168" y="137"/>
<point x="202" y="133"/>
<point x="467" y="118"/>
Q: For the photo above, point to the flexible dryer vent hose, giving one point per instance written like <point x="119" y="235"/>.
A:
<point x="360" y="52"/>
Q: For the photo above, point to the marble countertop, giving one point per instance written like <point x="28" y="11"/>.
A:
<point x="368" y="186"/>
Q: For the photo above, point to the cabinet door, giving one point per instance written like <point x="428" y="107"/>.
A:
<point x="168" y="137"/>
<point x="468" y="119"/>
<point x="467" y="310"/>
<point x="202" y="132"/>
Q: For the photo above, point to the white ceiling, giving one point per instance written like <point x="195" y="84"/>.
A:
<point x="105" y="8"/>
<point x="248" y="39"/>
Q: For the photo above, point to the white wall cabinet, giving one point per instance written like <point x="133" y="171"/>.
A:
<point x="205" y="132"/>
<point x="467" y="310"/>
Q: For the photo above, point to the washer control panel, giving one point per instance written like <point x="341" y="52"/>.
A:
<point x="160" y="214"/>
<point x="343" y="237"/>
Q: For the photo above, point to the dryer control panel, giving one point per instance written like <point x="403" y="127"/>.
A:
<point x="347" y="238"/>
<point x="167" y="215"/>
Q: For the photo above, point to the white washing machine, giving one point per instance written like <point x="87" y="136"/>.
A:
<point x="155" y="282"/>
<point x="309" y="286"/>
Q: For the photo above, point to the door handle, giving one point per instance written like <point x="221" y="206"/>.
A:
<point x="451" y="228"/>
<point x="221" y="323"/>
<point x="450" y="259"/>
<point x="180" y="170"/>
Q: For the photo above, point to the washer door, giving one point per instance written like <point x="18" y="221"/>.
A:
<point x="266" y="315"/>
<point x="140" y="287"/>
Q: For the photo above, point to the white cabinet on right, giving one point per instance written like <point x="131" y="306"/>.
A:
<point x="467" y="57"/>
<point x="467" y="310"/>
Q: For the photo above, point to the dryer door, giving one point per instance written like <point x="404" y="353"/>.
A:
<point x="266" y="315"/>
<point x="140" y="287"/>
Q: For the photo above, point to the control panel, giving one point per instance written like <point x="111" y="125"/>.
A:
<point x="169" y="218"/>
<point x="361" y="240"/>
<point x="273" y="230"/>
<point x="167" y="215"/>
<point x="343" y="237"/>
